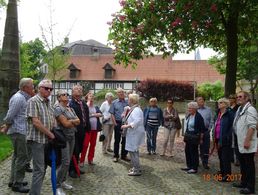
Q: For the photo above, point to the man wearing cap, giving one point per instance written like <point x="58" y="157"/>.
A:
<point x="15" y="125"/>
<point x="116" y="110"/>
<point x="40" y="121"/>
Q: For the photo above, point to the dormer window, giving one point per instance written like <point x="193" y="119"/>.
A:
<point x="109" y="71"/>
<point x="74" y="71"/>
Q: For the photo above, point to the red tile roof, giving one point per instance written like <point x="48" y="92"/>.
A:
<point x="153" y="67"/>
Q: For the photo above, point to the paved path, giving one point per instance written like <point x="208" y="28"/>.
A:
<point x="161" y="175"/>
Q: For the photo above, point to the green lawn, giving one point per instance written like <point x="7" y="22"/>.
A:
<point x="5" y="147"/>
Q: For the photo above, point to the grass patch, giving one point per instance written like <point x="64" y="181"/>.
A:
<point x="6" y="147"/>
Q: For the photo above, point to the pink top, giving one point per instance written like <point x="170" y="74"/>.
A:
<point x="217" y="126"/>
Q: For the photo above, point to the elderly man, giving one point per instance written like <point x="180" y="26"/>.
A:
<point x="40" y="119"/>
<point x="206" y="113"/>
<point x="15" y="125"/>
<point x="82" y="111"/>
<point x="246" y="132"/>
<point x="116" y="110"/>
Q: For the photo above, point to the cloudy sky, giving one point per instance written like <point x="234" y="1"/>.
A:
<point x="79" y="19"/>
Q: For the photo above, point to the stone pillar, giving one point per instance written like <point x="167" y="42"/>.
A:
<point x="9" y="63"/>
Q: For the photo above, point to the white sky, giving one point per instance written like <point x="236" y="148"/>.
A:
<point x="81" y="19"/>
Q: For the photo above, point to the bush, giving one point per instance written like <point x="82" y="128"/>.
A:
<point x="100" y="95"/>
<point x="164" y="89"/>
<point x="211" y="91"/>
<point x="6" y="147"/>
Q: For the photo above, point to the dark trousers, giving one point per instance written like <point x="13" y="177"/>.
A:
<point x="225" y="160"/>
<point x="192" y="156"/>
<point x="205" y="148"/>
<point x="247" y="168"/>
<point x="118" y="139"/>
<point x="78" y="145"/>
<point x="236" y="150"/>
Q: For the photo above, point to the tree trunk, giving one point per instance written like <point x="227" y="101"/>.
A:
<point x="232" y="49"/>
<point x="9" y="64"/>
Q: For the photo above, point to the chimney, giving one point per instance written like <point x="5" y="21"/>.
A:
<point x="66" y="40"/>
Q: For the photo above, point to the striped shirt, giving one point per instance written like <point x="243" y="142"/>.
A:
<point x="152" y="119"/>
<point x="40" y="108"/>
<point x="16" y="115"/>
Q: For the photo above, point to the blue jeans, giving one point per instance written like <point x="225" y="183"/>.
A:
<point x="151" y="132"/>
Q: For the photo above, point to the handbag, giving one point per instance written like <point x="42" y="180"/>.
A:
<point x="60" y="139"/>
<point x="192" y="138"/>
<point x="102" y="137"/>
<point x="178" y="124"/>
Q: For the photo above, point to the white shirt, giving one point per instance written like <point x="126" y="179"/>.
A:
<point x="104" y="108"/>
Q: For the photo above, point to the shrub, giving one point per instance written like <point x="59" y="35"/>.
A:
<point x="211" y="91"/>
<point x="100" y="95"/>
<point x="164" y="89"/>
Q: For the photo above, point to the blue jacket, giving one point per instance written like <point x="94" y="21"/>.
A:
<point x="146" y="113"/>
<point x="226" y="128"/>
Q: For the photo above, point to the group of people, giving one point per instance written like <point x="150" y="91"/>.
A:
<point x="234" y="126"/>
<point x="31" y="118"/>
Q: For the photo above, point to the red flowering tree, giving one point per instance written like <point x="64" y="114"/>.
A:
<point x="172" y="26"/>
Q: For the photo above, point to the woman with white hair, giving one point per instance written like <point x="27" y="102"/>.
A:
<point x="223" y="138"/>
<point x="194" y="128"/>
<point x="107" y="123"/>
<point x="134" y="132"/>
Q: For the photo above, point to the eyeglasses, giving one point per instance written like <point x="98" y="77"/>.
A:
<point x="170" y="102"/>
<point x="48" y="88"/>
<point x="65" y="94"/>
<point x="240" y="96"/>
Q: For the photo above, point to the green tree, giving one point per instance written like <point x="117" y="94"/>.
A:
<point x="57" y="62"/>
<point x="247" y="64"/>
<point x="172" y="26"/>
<point x="55" y="58"/>
<point x="32" y="54"/>
<point x="211" y="91"/>
<point x="2" y="3"/>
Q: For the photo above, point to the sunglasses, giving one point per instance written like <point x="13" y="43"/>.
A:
<point x="48" y="88"/>
<point x="65" y="94"/>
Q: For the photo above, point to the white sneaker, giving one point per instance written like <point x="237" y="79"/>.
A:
<point x="67" y="186"/>
<point x="59" y="191"/>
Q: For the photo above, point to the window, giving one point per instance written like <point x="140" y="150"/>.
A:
<point x="108" y="74"/>
<point x="113" y="85"/>
<point x="73" y="74"/>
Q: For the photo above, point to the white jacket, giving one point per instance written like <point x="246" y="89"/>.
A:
<point x="244" y="120"/>
<point x="135" y="136"/>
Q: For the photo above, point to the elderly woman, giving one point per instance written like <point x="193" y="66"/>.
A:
<point x="170" y="115"/>
<point x="67" y="120"/>
<point x="194" y="128"/>
<point x="107" y="122"/>
<point x="153" y="118"/>
<point x="91" y="135"/>
<point x="135" y="134"/>
<point x="223" y="137"/>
